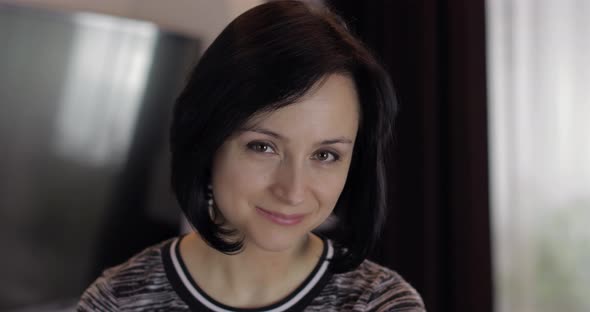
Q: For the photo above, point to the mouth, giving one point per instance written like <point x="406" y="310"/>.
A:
<point x="279" y="218"/>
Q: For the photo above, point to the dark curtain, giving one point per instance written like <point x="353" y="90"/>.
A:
<point x="438" y="230"/>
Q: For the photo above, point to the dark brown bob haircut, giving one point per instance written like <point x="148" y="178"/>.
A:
<point x="268" y="58"/>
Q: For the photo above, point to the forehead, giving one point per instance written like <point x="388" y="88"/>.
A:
<point x="331" y="108"/>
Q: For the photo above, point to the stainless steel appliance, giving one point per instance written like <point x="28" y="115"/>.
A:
<point x="85" y="101"/>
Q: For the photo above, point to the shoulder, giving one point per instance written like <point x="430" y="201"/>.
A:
<point x="389" y="291"/>
<point x="372" y="287"/>
<point x="143" y="275"/>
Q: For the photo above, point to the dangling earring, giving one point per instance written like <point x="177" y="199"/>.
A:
<point x="210" y="202"/>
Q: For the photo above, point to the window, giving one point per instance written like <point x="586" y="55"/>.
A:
<point x="539" y="88"/>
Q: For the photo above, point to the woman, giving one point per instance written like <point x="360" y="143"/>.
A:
<point x="277" y="161"/>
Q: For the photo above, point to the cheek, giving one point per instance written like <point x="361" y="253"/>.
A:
<point x="240" y="179"/>
<point x="236" y="179"/>
<point x="330" y="186"/>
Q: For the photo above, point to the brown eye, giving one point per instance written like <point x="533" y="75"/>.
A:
<point x="326" y="156"/>
<point x="260" y="147"/>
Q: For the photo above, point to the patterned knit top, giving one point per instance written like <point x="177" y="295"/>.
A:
<point x="157" y="279"/>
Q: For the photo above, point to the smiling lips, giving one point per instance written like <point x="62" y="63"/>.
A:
<point x="280" y="218"/>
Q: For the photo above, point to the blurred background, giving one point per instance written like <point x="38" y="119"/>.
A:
<point x="490" y="200"/>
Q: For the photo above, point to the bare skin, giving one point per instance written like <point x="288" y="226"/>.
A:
<point x="230" y="280"/>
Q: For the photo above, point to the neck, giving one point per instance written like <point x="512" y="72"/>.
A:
<point x="274" y="274"/>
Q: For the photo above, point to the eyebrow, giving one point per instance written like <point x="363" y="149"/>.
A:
<point x="342" y="140"/>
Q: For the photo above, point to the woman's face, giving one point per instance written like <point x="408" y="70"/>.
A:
<point x="280" y="176"/>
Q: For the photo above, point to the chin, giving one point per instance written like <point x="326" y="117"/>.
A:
<point x="275" y="242"/>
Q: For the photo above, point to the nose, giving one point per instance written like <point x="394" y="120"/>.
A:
<point x="289" y="184"/>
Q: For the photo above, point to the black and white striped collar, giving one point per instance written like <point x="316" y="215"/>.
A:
<point x="198" y="300"/>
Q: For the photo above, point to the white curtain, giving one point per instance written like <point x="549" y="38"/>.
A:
<point x="539" y="88"/>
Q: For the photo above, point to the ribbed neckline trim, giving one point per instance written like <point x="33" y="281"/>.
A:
<point x="198" y="300"/>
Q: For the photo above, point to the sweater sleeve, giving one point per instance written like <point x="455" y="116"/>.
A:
<point x="393" y="294"/>
<point x="98" y="297"/>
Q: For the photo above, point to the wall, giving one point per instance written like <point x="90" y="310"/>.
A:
<point x="202" y="19"/>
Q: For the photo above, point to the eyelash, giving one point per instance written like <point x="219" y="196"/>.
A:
<point x="253" y="146"/>
<point x="335" y="155"/>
